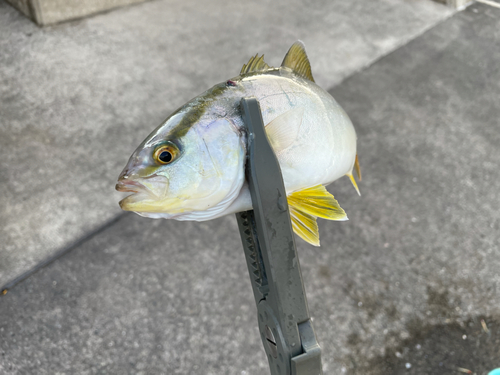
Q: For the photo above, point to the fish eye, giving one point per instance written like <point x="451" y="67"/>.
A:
<point x="230" y="83"/>
<point x="166" y="153"/>
<point x="165" y="156"/>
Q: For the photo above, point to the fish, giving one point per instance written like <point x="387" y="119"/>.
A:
<point x="192" y="166"/>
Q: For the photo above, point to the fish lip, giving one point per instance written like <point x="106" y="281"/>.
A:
<point x="130" y="186"/>
<point x="127" y="201"/>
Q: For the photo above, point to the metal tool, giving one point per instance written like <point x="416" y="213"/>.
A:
<point x="266" y="233"/>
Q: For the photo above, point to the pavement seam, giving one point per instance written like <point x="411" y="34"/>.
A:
<point x="490" y="3"/>
<point x="400" y="45"/>
<point x="61" y="252"/>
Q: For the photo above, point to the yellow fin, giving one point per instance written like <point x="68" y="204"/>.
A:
<point x="305" y="226"/>
<point x="296" y="59"/>
<point x="308" y="204"/>
<point x="357" y="168"/>
<point x="317" y="201"/>
<point x="255" y="64"/>
<point x="353" y="181"/>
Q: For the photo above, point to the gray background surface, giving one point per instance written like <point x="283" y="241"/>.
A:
<point x="401" y="288"/>
<point x="77" y="98"/>
<point x="45" y="12"/>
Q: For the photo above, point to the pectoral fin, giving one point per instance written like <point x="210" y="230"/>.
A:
<point x="307" y="205"/>
<point x="284" y="129"/>
<point x="305" y="226"/>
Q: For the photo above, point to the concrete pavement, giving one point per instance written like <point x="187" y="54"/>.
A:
<point x="77" y="98"/>
<point x="409" y="285"/>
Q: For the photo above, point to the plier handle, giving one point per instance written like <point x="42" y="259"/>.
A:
<point x="273" y="264"/>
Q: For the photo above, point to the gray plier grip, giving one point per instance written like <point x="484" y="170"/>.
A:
<point x="266" y="233"/>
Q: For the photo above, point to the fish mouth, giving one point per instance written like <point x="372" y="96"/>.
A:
<point x="130" y="186"/>
<point x="146" y="194"/>
<point x="138" y="190"/>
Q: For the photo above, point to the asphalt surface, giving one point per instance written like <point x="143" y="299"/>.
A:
<point x="77" y="98"/>
<point x="409" y="285"/>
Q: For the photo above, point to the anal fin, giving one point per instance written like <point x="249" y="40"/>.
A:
<point x="307" y="205"/>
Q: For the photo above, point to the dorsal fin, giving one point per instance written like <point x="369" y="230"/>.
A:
<point x="296" y="59"/>
<point x="255" y="64"/>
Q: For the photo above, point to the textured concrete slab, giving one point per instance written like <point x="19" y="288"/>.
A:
<point x="21" y="5"/>
<point x="46" y="12"/>
<point x="77" y="98"/>
<point x="409" y="285"/>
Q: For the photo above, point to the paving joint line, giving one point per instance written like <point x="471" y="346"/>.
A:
<point x="490" y="3"/>
<point x="11" y="284"/>
<point x="401" y="44"/>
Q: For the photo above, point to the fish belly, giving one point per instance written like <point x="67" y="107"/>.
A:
<point x="325" y="147"/>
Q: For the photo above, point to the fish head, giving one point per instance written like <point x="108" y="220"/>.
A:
<point x="189" y="168"/>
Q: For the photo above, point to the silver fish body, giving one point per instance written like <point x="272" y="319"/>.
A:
<point x="325" y="147"/>
<point x="312" y="136"/>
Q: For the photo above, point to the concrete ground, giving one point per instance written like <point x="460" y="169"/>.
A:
<point x="85" y="94"/>
<point x="408" y="286"/>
